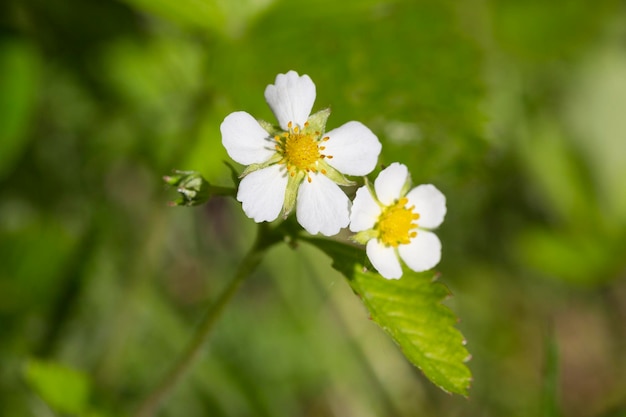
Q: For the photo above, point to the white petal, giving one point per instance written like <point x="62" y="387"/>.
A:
<point x="245" y="140"/>
<point x="429" y="203"/>
<point x="262" y="193"/>
<point x="322" y="207"/>
<point x="390" y="181"/>
<point x="291" y="98"/>
<point x="423" y="253"/>
<point x="365" y="211"/>
<point x="354" y="149"/>
<point x="384" y="259"/>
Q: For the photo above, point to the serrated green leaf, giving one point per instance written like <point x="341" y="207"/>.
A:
<point x="410" y="311"/>
<point x="64" y="389"/>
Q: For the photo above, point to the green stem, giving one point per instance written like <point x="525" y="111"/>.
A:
<point x="152" y="402"/>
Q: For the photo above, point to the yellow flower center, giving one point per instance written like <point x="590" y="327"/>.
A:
<point x="396" y="222"/>
<point x="300" y="151"/>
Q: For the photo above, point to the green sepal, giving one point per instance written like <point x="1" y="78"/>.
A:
<point x="364" y="236"/>
<point x="293" y="184"/>
<point x="334" y="175"/>
<point x="270" y="128"/>
<point x="407" y="186"/>
<point x="317" y="122"/>
<point x="372" y="190"/>
<point x="254" y="167"/>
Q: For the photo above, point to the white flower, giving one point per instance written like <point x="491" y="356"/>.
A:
<point x="297" y="164"/>
<point x="395" y="223"/>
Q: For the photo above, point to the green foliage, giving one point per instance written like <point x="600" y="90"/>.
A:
<point x="551" y="379"/>
<point x="65" y="390"/>
<point x="528" y="28"/>
<point x="513" y="108"/>
<point x="410" y="310"/>
<point x="18" y="82"/>
<point x="225" y="17"/>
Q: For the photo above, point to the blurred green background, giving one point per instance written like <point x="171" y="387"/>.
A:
<point x="516" y="109"/>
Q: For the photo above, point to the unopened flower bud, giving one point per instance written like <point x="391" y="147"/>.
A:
<point x="192" y="187"/>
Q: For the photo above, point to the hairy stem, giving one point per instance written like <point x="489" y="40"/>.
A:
<point x="150" y="405"/>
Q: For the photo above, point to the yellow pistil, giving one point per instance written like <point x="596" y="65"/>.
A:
<point x="300" y="151"/>
<point x="396" y="223"/>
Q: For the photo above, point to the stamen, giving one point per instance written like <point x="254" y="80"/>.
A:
<point x="301" y="150"/>
<point x="396" y="223"/>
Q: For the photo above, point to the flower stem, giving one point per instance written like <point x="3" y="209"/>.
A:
<point x="150" y="405"/>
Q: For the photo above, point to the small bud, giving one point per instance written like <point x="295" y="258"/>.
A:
<point x="192" y="187"/>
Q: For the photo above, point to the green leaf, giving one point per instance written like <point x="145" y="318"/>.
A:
<point x="410" y="311"/>
<point x="65" y="390"/>
<point x="550" y="392"/>
<point x="19" y="76"/>
<point x="227" y="18"/>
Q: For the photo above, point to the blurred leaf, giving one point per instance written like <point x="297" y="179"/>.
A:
<point x="190" y="13"/>
<point x="18" y="83"/>
<point x="551" y="378"/>
<point x="64" y="389"/>
<point x="575" y="258"/>
<point x="35" y="250"/>
<point x="560" y="175"/>
<point x="535" y="30"/>
<point x="222" y="16"/>
<point x="594" y="109"/>
<point x="410" y="311"/>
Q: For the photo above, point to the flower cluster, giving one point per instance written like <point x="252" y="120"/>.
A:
<point x="297" y="164"/>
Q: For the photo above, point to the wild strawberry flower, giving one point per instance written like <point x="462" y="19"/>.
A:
<point x="394" y="222"/>
<point x="296" y="163"/>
